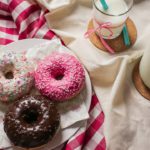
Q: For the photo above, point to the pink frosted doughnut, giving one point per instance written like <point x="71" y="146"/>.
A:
<point x="60" y="76"/>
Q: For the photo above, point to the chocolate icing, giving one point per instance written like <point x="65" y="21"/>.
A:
<point x="31" y="121"/>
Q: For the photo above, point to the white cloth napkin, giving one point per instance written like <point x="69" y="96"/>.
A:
<point x="126" y="125"/>
<point x="75" y="109"/>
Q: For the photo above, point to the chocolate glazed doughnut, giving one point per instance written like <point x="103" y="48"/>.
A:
<point x="31" y="122"/>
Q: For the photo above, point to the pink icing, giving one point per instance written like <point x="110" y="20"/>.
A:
<point x="60" y="76"/>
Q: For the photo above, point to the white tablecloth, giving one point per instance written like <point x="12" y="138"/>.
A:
<point x="127" y="113"/>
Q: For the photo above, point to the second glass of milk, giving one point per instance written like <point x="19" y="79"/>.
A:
<point x="116" y="14"/>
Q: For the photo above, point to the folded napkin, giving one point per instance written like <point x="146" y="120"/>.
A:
<point x="71" y="111"/>
<point x="25" y="19"/>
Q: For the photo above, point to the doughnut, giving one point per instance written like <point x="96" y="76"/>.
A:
<point x="31" y="122"/>
<point x="60" y="77"/>
<point x="16" y="76"/>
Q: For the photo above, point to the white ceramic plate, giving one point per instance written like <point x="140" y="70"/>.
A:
<point x="63" y="134"/>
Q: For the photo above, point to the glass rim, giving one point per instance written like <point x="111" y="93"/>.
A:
<point x="112" y="14"/>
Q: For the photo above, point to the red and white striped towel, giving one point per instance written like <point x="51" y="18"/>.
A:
<point x="21" y="19"/>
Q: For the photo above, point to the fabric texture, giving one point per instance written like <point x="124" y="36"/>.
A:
<point x="21" y="19"/>
<point x="126" y="124"/>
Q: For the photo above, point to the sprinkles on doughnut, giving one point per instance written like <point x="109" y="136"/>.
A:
<point x="15" y="76"/>
<point x="60" y="77"/>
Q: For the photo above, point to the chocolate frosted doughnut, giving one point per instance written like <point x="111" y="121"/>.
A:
<point x="31" y="122"/>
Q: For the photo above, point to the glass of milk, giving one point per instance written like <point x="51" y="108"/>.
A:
<point x="144" y="67"/>
<point x="116" y="14"/>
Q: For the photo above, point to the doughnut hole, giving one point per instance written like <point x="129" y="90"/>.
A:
<point x="8" y="71"/>
<point x="59" y="76"/>
<point x="58" y="73"/>
<point x="9" y="75"/>
<point x="29" y="116"/>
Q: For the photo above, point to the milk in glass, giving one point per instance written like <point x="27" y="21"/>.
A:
<point x="116" y="14"/>
<point x="145" y="68"/>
